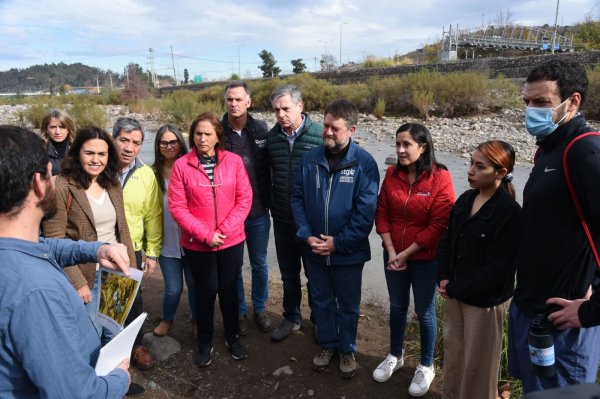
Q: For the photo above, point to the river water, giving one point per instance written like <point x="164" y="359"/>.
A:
<point x="374" y="288"/>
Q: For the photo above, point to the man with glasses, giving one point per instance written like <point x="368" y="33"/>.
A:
<point x="247" y="137"/>
<point x="143" y="204"/>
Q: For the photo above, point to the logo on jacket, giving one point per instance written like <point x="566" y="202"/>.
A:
<point x="260" y="143"/>
<point x="423" y="194"/>
<point x="347" y="176"/>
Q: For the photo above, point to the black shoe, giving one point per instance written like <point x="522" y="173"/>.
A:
<point x="238" y="350"/>
<point x="202" y="356"/>
<point x="284" y="329"/>
<point x="243" y="324"/>
<point x="135" y="390"/>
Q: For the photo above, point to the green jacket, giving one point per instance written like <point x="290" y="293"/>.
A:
<point x="143" y="209"/>
<point x="284" y="164"/>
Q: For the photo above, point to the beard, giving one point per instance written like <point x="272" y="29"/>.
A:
<point x="48" y="203"/>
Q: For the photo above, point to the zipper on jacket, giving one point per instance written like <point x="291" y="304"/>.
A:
<point x="327" y="198"/>
<point x="410" y="186"/>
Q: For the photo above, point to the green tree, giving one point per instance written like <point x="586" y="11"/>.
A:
<point x="587" y="35"/>
<point x="268" y="67"/>
<point x="298" y="66"/>
<point x="186" y="76"/>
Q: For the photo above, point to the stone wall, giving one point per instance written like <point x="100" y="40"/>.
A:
<point x="514" y="68"/>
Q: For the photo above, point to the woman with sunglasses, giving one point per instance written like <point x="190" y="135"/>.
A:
<point x="169" y="146"/>
<point x="210" y="197"/>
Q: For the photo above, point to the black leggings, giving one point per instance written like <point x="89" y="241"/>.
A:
<point x="216" y="273"/>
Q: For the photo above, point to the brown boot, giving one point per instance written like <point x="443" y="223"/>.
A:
<point x="163" y="328"/>
<point x="141" y="358"/>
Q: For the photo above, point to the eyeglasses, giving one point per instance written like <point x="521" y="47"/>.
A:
<point x="172" y="143"/>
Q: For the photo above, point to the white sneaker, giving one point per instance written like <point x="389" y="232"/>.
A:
<point x="384" y="371"/>
<point x="421" y="381"/>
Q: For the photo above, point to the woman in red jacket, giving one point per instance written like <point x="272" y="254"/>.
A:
<point x="412" y="213"/>
<point x="210" y="197"/>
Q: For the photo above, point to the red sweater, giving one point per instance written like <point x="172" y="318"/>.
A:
<point x="415" y="213"/>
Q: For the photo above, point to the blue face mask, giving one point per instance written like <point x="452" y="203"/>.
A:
<point x="538" y="121"/>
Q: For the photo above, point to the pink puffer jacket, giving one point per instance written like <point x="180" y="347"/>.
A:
<point x="201" y="208"/>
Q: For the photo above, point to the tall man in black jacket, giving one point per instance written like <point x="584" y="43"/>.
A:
<point x="247" y="137"/>
<point x="556" y="266"/>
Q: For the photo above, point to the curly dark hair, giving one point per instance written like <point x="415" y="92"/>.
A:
<point x="22" y="155"/>
<point x="569" y="75"/>
<point x="72" y="168"/>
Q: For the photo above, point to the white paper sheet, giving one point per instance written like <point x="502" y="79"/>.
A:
<point x="119" y="347"/>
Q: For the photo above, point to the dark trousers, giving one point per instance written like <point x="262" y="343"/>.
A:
<point x="289" y="257"/>
<point x="137" y="308"/>
<point x="216" y="273"/>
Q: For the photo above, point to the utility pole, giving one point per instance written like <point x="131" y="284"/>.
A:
<point x="342" y="24"/>
<point x="173" y="63"/>
<point x="555" y="27"/>
<point x="110" y="77"/>
<point x="97" y="85"/>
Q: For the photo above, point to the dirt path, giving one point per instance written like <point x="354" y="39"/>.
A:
<point x="255" y="377"/>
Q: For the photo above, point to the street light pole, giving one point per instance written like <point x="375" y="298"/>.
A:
<point x="340" y="61"/>
<point x="325" y="43"/>
<point x="555" y="27"/>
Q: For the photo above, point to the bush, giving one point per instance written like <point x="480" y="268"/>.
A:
<point x="422" y="100"/>
<point x="86" y="113"/>
<point x="379" y="109"/>
<point x="36" y="111"/>
<point x="180" y="108"/>
<point x="592" y="101"/>
<point x="149" y="106"/>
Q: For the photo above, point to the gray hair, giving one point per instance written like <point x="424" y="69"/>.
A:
<point x="293" y="91"/>
<point x="128" y="125"/>
<point x="238" y="83"/>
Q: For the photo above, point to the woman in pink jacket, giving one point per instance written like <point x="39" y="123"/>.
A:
<point x="210" y="197"/>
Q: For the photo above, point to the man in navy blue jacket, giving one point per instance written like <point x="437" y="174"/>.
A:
<point x="333" y="203"/>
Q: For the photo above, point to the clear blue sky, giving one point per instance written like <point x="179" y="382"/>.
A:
<point x="217" y="38"/>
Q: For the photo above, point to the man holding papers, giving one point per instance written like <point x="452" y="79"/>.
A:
<point x="49" y="345"/>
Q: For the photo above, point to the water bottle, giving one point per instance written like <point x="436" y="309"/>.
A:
<point x="541" y="346"/>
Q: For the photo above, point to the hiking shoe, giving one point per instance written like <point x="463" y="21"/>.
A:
<point x="163" y="328"/>
<point x="384" y="371"/>
<point x="263" y="321"/>
<point x="284" y="329"/>
<point x="347" y="365"/>
<point x="321" y="360"/>
<point x="243" y="324"/>
<point x="202" y="356"/>
<point x="421" y="381"/>
<point x="237" y="349"/>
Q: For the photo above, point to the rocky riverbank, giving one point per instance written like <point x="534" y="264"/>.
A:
<point x="456" y="135"/>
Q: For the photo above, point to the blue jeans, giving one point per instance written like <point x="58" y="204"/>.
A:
<point x="576" y="353"/>
<point x="174" y="270"/>
<point x="257" y="241"/>
<point x="335" y="293"/>
<point x="421" y="275"/>
<point x="289" y="257"/>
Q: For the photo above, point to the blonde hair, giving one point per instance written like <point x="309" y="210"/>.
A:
<point x="64" y="118"/>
